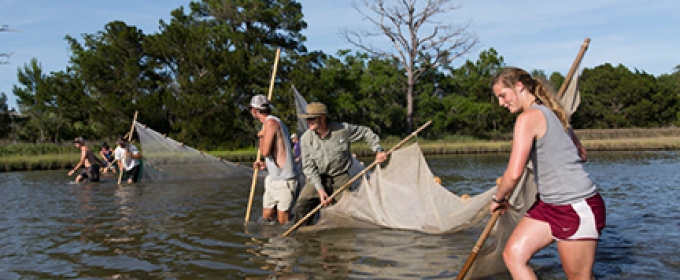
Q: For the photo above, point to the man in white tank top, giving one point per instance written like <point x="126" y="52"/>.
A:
<point x="274" y="143"/>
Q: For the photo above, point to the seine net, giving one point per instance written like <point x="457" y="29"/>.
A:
<point x="168" y="160"/>
<point x="490" y="259"/>
<point x="404" y="195"/>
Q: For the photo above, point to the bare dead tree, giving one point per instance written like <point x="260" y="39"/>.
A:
<point x="6" y="55"/>
<point x="5" y="28"/>
<point x="421" y="43"/>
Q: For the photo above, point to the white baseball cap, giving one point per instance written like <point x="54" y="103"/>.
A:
<point x="259" y="102"/>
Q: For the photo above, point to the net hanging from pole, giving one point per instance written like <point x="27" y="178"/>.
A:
<point x="404" y="195"/>
<point x="168" y="160"/>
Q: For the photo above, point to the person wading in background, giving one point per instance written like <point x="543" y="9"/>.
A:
<point x="107" y="154"/>
<point x="275" y="145"/>
<point x="128" y="157"/>
<point x="87" y="160"/>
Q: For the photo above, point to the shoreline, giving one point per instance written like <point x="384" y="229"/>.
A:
<point x="67" y="161"/>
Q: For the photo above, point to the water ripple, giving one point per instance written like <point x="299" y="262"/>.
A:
<point x="186" y="230"/>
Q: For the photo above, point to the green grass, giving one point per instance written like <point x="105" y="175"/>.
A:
<point x="16" y="157"/>
<point x="38" y="162"/>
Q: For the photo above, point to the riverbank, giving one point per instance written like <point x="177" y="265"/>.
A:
<point x="46" y="157"/>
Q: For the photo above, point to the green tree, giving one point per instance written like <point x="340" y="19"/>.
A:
<point x="669" y="88"/>
<point x="556" y="79"/>
<point x="5" y="120"/>
<point x="216" y="57"/>
<point x="118" y="78"/>
<point x="51" y="105"/>
<point x="422" y="44"/>
<point x="368" y="91"/>
<point x="467" y="104"/>
<point x="357" y="88"/>
<point x="615" y="97"/>
<point x="33" y="100"/>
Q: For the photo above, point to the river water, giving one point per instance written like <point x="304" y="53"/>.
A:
<point x="51" y="228"/>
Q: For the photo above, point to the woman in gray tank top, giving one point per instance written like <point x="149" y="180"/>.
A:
<point x="568" y="209"/>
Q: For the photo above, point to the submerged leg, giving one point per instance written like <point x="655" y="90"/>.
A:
<point x="529" y="237"/>
<point x="306" y="202"/>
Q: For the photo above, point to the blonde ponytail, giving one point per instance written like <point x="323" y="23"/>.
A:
<point x="511" y="75"/>
<point x="548" y="99"/>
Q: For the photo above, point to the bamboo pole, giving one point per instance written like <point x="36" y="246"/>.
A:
<point x="574" y="67"/>
<point x="496" y="214"/>
<point x="480" y="241"/>
<point x="356" y="177"/>
<point x="132" y="130"/>
<point x="259" y="153"/>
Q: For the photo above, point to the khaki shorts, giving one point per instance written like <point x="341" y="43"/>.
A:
<point x="278" y="194"/>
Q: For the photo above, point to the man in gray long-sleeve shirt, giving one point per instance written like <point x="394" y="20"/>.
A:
<point x="326" y="156"/>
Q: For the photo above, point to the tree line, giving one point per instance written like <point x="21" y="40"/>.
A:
<point x="193" y="80"/>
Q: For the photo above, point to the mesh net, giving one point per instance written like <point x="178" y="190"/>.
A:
<point x="300" y="108"/>
<point x="168" y="160"/>
<point x="490" y="259"/>
<point x="404" y="195"/>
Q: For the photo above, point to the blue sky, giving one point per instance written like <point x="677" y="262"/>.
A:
<point x="530" y="34"/>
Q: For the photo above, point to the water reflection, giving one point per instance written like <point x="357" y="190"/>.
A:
<point x="360" y="253"/>
<point x="186" y="230"/>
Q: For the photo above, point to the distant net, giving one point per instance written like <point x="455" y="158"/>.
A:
<point x="168" y="160"/>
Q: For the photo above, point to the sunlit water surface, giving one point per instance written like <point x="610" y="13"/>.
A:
<point x="51" y="228"/>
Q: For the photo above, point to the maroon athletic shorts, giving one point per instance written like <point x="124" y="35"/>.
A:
<point x="583" y="220"/>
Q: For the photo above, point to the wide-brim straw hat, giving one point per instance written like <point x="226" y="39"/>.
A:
<point x="314" y="110"/>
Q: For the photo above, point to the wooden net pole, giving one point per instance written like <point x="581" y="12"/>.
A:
<point x="356" y="177"/>
<point x="259" y="153"/>
<point x="129" y="139"/>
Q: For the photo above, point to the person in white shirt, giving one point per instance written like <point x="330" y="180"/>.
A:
<point x="128" y="157"/>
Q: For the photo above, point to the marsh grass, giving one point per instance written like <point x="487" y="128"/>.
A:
<point x="38" y="162"/>
<point x="16" y="157"/>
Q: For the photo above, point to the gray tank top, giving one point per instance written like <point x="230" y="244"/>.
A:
<point x="560" y="176"/>
<point x="288" y="170"/>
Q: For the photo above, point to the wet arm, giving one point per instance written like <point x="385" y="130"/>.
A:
<point x="83" y="156"/>
<point x="522" y="141"/>
<point x="267" y="138"/>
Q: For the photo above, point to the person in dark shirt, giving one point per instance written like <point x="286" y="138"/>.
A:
<point x="87" y="160"/>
